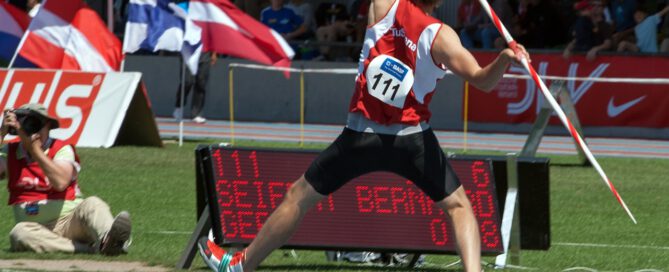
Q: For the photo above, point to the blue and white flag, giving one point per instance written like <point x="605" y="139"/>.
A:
<point x="160" y="25"/>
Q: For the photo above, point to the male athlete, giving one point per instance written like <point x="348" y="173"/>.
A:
<point x="405" y="52"/>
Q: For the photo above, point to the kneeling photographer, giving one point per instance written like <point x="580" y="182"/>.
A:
<point x="50" y="212"/>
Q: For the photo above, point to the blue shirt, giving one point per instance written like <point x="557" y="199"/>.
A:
<point x="283" y="21"/>
<point x="646" y="34"/>
<point x="623" y="13"/>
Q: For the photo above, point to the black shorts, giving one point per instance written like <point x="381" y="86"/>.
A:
<point x="417" y="157"/>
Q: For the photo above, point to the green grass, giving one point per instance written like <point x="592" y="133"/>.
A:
<point x="157" y="185"/>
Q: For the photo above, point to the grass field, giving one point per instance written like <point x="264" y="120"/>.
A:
<point x="588" y="227"/>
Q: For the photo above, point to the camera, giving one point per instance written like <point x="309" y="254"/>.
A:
<point x="31" y="122"/>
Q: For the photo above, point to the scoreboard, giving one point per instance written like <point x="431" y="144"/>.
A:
<point x="377" y="211"/>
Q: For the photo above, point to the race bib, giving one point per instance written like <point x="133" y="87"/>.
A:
<point x="389" y="80"/>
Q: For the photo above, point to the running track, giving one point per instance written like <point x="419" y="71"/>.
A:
<point x="284" y="132"/>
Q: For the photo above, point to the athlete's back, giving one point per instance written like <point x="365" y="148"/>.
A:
<point x="397" y="73"/>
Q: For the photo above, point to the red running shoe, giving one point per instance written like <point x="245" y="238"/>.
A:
<point x="218" y="259"/>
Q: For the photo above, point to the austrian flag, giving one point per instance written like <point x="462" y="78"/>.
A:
<point x="13" y="22"/>
<point x="228" y="30"/>
<point x="67" y="34"/>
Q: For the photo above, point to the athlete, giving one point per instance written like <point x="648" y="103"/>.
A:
<point x="405" y="53"/>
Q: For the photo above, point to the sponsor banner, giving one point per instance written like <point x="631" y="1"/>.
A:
<point x="598" y="104"/>
<point x="90" y="107"/>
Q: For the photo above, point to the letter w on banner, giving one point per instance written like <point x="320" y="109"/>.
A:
<point x="228" y="30"/>
<point x="67" y="34"/>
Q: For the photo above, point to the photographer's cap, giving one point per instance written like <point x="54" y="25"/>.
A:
<point x="40" y="110"/>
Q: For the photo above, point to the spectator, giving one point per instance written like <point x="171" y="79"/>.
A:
<point x="359" y="15"/>
<point x="33" y="7"/>
<point x="606" y="12"/>
<point x="334" y="25"/>
<point x="283" y="20"/>
<point x="469" y="19"/>
<point x="198" y="83"/>
<point x="251" y="7"/>
<point x="622" y="12"/>
<point x="50" y="212"/>
<point x="490" y="37"/>
<point x="541" y="26"/>
<point x="306" y="12"/>
<point x="664" y="45"/>
<point x="645" y="32"/>
<point x="591" y="32"/>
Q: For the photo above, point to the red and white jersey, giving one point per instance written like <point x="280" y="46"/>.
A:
<point x="28" y="183"/>
<point x="397" y="73"/>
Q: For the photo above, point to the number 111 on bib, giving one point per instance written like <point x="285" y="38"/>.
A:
<point x="389" y="80"/>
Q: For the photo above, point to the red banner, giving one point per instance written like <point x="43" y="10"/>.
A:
<point x="90" y="107"/>
<point x="597" y="103"/>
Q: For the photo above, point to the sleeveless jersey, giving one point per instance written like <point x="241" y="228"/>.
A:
<point x="396" y="73"/>
<point x="27" y="182"/>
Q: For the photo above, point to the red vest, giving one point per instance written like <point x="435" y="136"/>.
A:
<point x="27" y="182"/>
<point x="396" y="73"/>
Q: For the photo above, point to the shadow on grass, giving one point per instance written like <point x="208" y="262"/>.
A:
<point x="347" y="267"/>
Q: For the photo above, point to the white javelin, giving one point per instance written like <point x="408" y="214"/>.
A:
<point x="565" y="121"/>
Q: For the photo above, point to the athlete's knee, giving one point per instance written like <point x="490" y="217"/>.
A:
<point x="456" y="201"/>
<point x="302" y="193"/>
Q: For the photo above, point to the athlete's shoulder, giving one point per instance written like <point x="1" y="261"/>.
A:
<point x="446" y="30"/>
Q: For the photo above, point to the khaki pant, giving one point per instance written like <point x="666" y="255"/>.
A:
<point x="77" y="232"/>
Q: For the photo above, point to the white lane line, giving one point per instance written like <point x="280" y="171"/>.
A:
<point x="580" y="268"/>
<point x="611" y="246"/>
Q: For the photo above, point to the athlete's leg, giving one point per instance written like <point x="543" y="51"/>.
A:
<point x="466" y="229"/>
<point x="282" y="222"/>
<point x="335" y="166"/>
<point x="429" y="170"/>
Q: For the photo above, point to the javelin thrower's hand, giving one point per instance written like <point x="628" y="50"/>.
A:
<point x="517" y="53"/>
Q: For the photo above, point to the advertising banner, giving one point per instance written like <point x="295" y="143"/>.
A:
<point x="91" y="107"/>
<point x="607" y="104"/>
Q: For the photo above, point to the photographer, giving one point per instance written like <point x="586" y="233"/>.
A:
<point x="50" y="212"/>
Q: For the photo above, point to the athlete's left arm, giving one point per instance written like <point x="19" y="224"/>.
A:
<point x="448" y="50"/>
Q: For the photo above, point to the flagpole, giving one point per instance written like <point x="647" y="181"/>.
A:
<point x="181" y="112"/>
<point x="18" y="48"/>
<point x="110" y="16"/>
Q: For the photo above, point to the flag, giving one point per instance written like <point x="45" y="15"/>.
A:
<point x="160" y="25"/>
<point x="228" y="30"/>
<point x="13" y="22"/>
<point x="67" y="34"/>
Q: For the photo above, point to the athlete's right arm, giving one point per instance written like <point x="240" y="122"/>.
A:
<point x="448" y="50"/>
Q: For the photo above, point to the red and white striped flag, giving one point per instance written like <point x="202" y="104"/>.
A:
<point x="228" y="30"/>
<point x="67" y="34"/>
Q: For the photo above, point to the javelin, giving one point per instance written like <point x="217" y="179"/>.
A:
<point x="514" y="46"/>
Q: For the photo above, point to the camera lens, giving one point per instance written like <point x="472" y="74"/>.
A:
<point x="31" y="124"/>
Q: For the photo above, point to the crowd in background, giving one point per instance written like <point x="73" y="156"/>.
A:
<point x="586" y="26"/>
<point x="334" y="29"/>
